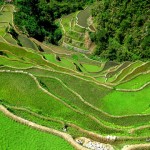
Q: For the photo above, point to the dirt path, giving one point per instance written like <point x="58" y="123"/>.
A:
<point x="65" y="136"/>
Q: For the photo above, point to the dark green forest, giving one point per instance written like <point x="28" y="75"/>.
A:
<point x="36" y="17"/>
<point x="123" y="29"/>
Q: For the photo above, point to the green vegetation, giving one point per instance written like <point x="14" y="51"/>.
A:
<point x="76" y="36"/>
<point x="136" y="83"/>
<point x="50" y="105"/>
<point x="79" y="29"/>
<point x="127" y="70"/>
<point x="66" y="20"/>
<point x="62" y="62"/>
<point x="126" y="103"/>
<point x="26" y="42"/>
<point x="40" y="23"/>
<point x="6" y="18"/>
<point x="2" y="31"/>
<point x="13" y="63"/>
<point x="8" y="37"/>
<point x="117" y="70"/>
<point x="143" y="68"/>
<point x="16" y="136"/>
<point x="122" y="29"/>
<point x="57" y="88"/>
<point x="83" y="16"/>
<point x="76" y="33"/>
<point x="91" y="68"/>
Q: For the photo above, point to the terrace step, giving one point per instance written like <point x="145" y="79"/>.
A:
<point x="112" y="75"/>
<point x="75" y="35"/>
<point x="140" y="81"/>
<point x="127" y="70"/>
<point x="139" y="70"/>
<point x="69" y="46"/>
<point x="75" y="43"/>
<point x="8" y="37"/>
<point x="26" y="42"/>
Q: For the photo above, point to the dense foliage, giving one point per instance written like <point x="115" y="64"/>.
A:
<point x="123" y="29"/>
<point x="37" y="17"/>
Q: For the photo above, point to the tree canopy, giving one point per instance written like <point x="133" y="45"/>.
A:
<point x="123" y="29"/>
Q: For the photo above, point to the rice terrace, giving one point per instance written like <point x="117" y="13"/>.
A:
<point x="70" y="78"/>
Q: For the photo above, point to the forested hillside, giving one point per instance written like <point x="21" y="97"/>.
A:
<point x="36" y="17"/>
<point x="123" y="29"/>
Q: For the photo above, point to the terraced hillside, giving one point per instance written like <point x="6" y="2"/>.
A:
<point x="76" y="28"/>
<point x="90" y="104"/>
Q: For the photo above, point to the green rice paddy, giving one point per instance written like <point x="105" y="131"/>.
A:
<point x="66" y="21"/>
<point x="83" y="16"/>
<point x="26" y="42"/>
<point x="137" y="82"/>
<point x="106" y="98"/>
<point x="10" y="39"/>
<point x="16" y="137"/>
<point x="126" y="103"/>
<point x="91" y="68"/>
